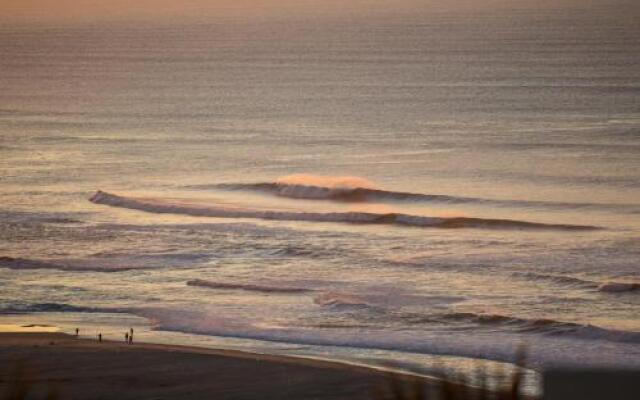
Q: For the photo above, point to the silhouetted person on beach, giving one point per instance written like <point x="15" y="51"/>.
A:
<point x="99" y="337"/>
<point x="130" y="335"/>
<point x="77" y="332"/>
<point x="126" y="337"/>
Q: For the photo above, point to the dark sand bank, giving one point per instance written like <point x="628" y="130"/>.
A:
<point x="86" y="369"/>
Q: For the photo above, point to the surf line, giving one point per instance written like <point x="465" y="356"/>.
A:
<point x="160" y="206"/>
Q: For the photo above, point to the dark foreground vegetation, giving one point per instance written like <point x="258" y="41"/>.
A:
<point x="443" y="386"/>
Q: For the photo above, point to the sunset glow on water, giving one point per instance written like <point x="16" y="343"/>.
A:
<point x="375" y="185"/>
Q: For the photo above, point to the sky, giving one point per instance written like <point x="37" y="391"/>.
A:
<point x="20" y="11"/>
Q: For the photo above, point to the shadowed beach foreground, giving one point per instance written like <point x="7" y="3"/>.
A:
<point x="85" y="369"/>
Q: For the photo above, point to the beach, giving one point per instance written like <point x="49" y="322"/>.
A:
<point x="83" y="369"/>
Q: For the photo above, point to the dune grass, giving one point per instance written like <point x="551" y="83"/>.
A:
<point x="20" y="385"/>
<point x="449" y="385"/>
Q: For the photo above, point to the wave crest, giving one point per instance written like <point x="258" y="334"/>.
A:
<point x="618" y="287"/>
<point x="167" y="207"/>
<point x="336" y="193"/>
<point x="536" y="325"/>
<point x="335" y="182"/>
<point x="562" y="280"/>
<point x="246" y="287"/>
<point x="354" y="189"/>
<point x="338" y="300"/>
<point x="569" y="281"/>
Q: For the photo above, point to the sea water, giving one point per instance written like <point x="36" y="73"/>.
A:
<point x="371" y="190"/>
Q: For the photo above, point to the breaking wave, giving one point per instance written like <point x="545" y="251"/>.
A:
<point x="383" y="299"/>
<point x="247" y="287"/>
<point x="337" y="193"/>
<point x="162" y="206"/>
<point x="562" y="280"/>
<point x="337" y="300"/>
<point x="538" y="325"/>
<point x="350" y="193"/>
<point x="569" y="281"/>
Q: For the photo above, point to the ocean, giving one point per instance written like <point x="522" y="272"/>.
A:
<point x="386" y="191"/>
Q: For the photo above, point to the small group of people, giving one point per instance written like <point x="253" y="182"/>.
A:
<point x="128" y="336"/>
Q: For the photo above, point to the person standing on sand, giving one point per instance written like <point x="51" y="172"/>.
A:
<point x="77" y="332"/>
<point x="99" y="337"/>
<point x="130" y="335"/>
<point x="126" y="337"/>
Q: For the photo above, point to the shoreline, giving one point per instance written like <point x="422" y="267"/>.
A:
<point x="391" y="364"/>
<point x="213" y="349"/>
<point x="85" y="368"/>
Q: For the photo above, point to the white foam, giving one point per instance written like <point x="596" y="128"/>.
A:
<point x="329" y="182"/>
<point x="542" y="350"/>
<point x="337" y="299"/>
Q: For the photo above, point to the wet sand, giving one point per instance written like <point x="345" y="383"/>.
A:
<point x="85" y="369"/>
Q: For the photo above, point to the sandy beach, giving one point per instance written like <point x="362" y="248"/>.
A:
<point x="85" y="369"/>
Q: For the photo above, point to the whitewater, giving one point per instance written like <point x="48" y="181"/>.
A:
<point x="378" y="191"/>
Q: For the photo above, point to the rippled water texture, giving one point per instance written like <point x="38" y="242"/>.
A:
<point x="440" y="183"/>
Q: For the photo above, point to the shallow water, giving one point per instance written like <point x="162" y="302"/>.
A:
<point x="462" y="184"/>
